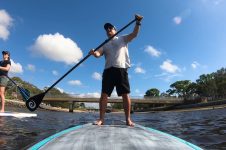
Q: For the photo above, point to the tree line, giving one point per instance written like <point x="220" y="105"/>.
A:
<point x="211" y="86"/>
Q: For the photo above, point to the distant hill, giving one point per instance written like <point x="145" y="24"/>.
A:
<point x="13" y="93"/>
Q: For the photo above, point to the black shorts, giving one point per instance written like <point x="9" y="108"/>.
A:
<point x="115" y="77"/>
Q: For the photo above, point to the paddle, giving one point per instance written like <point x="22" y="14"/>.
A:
<point x="33" y="102"/>
<point x="24" y="92"/>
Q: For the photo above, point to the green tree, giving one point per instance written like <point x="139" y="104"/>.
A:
<point x="171" y="92"/>
<point x="220" y="79"/>
<point x="117" y="106"/>
<point x="152" y="92"/>
<point x="82" y="105"/>
<point x="183" y="88"/>
<point x="206" y="85"/>
<point x="164" y="94"/>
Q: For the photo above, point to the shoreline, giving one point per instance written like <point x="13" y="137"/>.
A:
<point x="200" y="108"/>
<point x="189" y="109"/>
<point x="21" y="104"/>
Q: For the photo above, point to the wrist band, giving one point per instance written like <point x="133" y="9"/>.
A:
<point x="138" y="23"/>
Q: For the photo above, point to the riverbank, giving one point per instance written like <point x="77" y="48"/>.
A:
<point x="199" y="108"/>
<point x="15" y="103"/>
<point x="21" y="104"/>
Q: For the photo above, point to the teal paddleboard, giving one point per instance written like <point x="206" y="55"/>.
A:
<point x="113" y="137"/>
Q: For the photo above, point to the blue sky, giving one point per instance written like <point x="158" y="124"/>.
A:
<point x="179" y="40"/>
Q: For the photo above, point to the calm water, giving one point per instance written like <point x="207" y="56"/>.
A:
<point x="206" y="129"/>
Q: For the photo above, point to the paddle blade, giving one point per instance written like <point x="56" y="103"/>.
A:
<point x="33" y="102"/>
<point x="24" y="93"/>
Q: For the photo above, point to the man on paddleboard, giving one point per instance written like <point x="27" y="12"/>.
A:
<point x="115" y="73"/>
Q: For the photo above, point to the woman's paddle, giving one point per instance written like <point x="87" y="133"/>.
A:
<point x="33" y="102"/>
<point x="24" y="92"/>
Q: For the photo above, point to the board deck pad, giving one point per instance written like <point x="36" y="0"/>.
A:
<point x="113" y="137"/>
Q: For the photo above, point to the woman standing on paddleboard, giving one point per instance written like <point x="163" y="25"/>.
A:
<point x="5" y="65"/>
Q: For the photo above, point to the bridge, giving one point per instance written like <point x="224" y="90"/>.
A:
<point x="149" y="100"/>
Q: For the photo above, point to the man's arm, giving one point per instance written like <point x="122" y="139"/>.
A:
<point x="97" y="53"/>
<point x="136" y="29"/>
<point x="5" y="68"/>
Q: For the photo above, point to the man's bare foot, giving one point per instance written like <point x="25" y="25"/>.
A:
<point x="99" y="122"/>
<point x="130" y="123"/>
<point x="2" y="111"/>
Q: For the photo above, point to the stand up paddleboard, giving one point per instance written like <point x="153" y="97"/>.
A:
<point x="17" y="114"/>
<point x="117" y="137"/>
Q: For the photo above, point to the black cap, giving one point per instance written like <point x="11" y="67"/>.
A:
<point x="6" y="52"/>
<point x="107" y="25"/>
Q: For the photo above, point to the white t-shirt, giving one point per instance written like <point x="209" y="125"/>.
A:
<point x="116" y="53"/>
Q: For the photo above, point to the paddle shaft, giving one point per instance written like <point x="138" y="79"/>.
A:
<point x="24" y="93"/>
<point x="106" y="41"/>
<point x="12" y="81"/>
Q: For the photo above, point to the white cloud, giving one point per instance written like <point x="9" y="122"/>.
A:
<point x="214" y="2"/>
<point x="87" y="95"/>
<point x="91" y="95"/>
<point x="92" y="105"/>
<point x="169" y="67"/>
<point x="15" y="67"/>
<point x="96" y="76"/>
<point x="114" y="94"/>
<point x="129" y="76"/>
<point x="177" y="20"/>
<point x="195" y="64"/>
<point x="75" y="82"/>
<point x="57" y="48"/>
<point x="31" y="67"/>
<point x="137" y="91"/>
<point x="139" y="70"/>
<point x="55" y="73"/>
<point x="170" y="71"/>
<point x="167" y="77"/>
<point x="152" y="51"/>
<point x="5" y="23"/>
<point x="60" y="89"/>
<point x="182" y="16"/>
<point x="217" y="2"/>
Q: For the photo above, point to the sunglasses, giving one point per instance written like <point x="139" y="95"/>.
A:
<point x="109" y="28"/>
